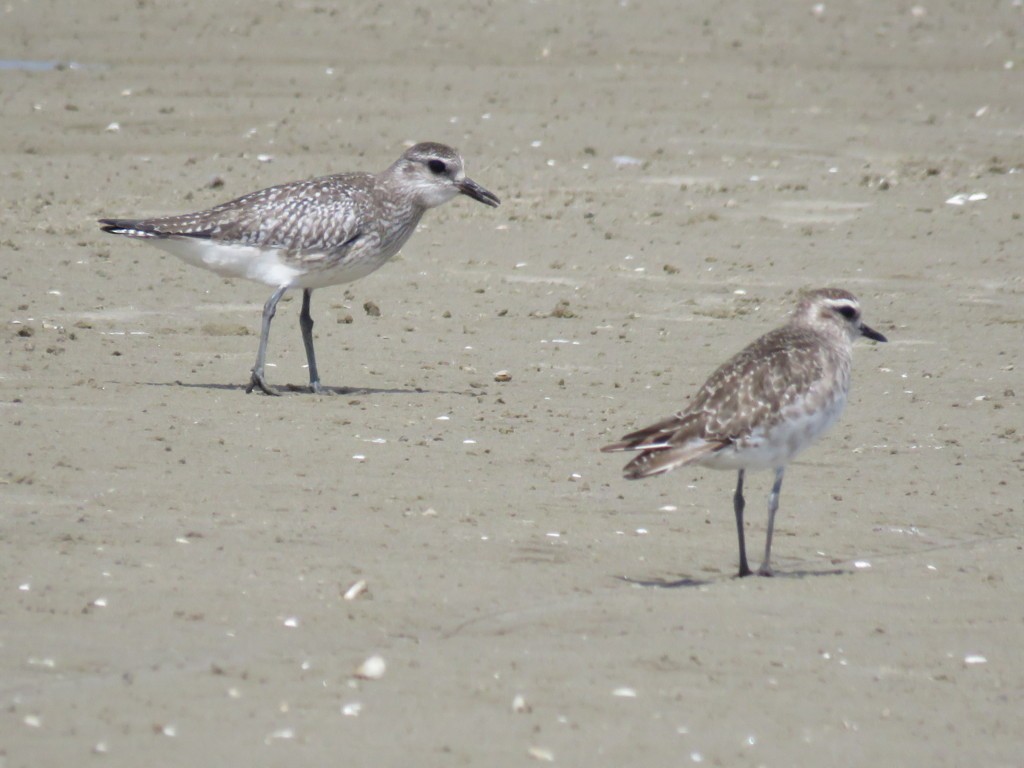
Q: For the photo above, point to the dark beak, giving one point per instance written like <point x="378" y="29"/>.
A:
<point x="470" y="188"/>
<point x="871" y="333"/>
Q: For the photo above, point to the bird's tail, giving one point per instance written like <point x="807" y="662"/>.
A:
<point x="129" y="228"/>
<point x="658" y="461"/>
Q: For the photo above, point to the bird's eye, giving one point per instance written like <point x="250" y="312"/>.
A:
<point x="847" y="311"/>
<point x="436" y="166"/>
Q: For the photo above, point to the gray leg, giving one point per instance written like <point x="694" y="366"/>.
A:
<point x="773" y="507"/>
<point x="737" y="505"/>
<point x="306" y="323"/>
<point x="257" y="380"/>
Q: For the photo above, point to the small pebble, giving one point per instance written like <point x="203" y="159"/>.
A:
<point x="355" y="590"/>
<point x="372" y="669"/>
<point x="519" y="705"/>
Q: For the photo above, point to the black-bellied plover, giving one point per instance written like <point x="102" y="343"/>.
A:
<point x="311" y="234"/>
<point x="763" y="406"/>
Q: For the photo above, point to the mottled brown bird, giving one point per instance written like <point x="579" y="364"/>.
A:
<point x="763" y="406"/>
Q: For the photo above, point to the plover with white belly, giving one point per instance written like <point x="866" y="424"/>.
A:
<point x="763" y="406"/>
<point x="311" y="234"/>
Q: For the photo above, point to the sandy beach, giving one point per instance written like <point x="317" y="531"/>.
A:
<point x="190" y="575"/>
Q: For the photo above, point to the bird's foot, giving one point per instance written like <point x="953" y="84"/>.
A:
<point x="317" y="388"/>
<point x="765" y="570"/>
<point x="744" y="571"/>
<point x="258" y="382"/>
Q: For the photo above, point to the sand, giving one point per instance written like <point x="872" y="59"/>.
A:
<point x="175" y="554"/>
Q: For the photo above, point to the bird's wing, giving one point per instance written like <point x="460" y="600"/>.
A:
<point x="302" y="218"/>
<point x="742" y="396"/>
<point x="754" y="388"/>
<point x="657" y="435"/>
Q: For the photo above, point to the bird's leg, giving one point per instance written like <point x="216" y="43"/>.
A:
<point x="257" y="380"/>
<point x="306" y="324"/>
<point x="738" y="504"/>
<point x="773" y="506"/>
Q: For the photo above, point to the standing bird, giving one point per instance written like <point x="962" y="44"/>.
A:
<point x="763" y="406"/>
<point x="311" y="234"/>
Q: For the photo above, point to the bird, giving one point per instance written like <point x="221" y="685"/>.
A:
<point x="763" y="406"/>
<point x="311" y="234"/>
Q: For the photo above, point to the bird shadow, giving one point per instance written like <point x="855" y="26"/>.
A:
<point x="300" y="389"/>
<point x="661" y="583"/>
<point x="686" y="581"/>
<point x="806" y="574"/>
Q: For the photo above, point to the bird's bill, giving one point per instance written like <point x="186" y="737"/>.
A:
<point x="871" y="333"/>
<point x="470" y="188"/>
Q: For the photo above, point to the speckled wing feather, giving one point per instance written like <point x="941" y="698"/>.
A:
<point x="657" y="435"/>
<point x="307" y="220"/>
<point x="753" y="389"/>
<point x="746" y="394"/>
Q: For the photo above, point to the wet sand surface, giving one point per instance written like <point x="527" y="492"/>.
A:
<point x="174" y="553"/>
